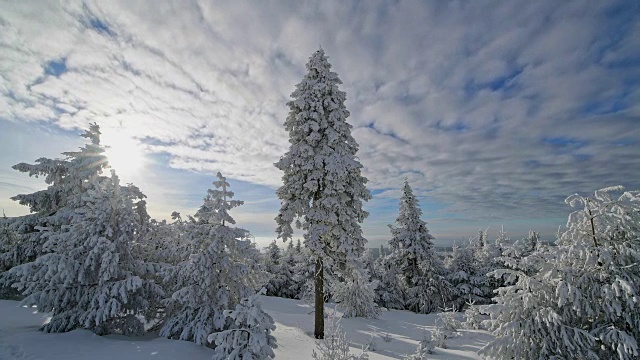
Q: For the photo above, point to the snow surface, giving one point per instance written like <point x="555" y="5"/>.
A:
<point x="21" y="340"/>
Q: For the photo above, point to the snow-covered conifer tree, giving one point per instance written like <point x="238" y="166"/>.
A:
<point x="164" y="244"/>
<point x="9" y="242"/>
<point x="281" y="277"/>
<point x="412" y="251"/>
<point x="273" y="254"/>
<point x="357" y="295"/>
<point x="52" y="208"/>
<point x="487" y="258"/>
<point x="298" y="247"/>
<point x="304" y="279"/>
<point x="272" y="264"/>
<point x="10" y="256"/>
<point x="250" y="334"/>
<point x="462" y="274"/>
<point x="583" y="300"/>
<point x="322" y="183"/>
<point x="368" y="263"/>
<point x="88" y="276"/>
<point x="390" y="292"/>
<point x="519" y="249"/>
<point x="223" y="268"/>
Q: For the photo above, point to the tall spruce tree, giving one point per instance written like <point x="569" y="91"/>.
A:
<point x="412" y="252"/>
<point x="323" y="188"/>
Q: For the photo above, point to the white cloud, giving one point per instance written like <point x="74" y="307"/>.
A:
<point x="458" y="96"/>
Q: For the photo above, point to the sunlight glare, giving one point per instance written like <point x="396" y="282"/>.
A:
<point x="125" y="155"/>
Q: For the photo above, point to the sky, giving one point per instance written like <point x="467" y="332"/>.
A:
<point x="494" y="111"/>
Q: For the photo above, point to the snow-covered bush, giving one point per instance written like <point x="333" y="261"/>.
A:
<point x="583" y="300"/>
<point x="250" y="334"/>
<point x="425" y="348"/>
<point x="335" y="346"/>
<point x="439" y="337"/>
<point x="449" y="323"/>
<point x="473" y="317"/>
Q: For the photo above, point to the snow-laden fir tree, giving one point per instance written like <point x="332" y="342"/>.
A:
<point x="164" y="244"/>
<point x="468" y="285"/>
<point x="289" y="262"/>
<point x="272" y="261"/>
<point x="368" y="263"/>
<point x="10" y="256"/>
<point x="323" y="188"/>
<point x="223" y="268"/>
<point x="357" y="296"/>
<point x="88" y="277"/>
<point x="298" y="247"/>
<point x="487" y="254"/>
<point x="280" y="271"/>
<point x="8" y="240"/>
<point x="163" y="247"/>
<point x="582" y="303"/>
<point x="52" y="208"/>
<point x="249" y="337"/>
<point x="390" y="292"/>
<point x="522" y="248"/>
<point x="303" y="275"/>
<point x="304" y="278"/>
<point x="502" y="242"/>
<point x="421" y="271"/>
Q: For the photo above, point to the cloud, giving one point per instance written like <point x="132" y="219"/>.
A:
<point x="480" y="105"/>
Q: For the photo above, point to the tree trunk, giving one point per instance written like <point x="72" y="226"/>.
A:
<point x="319" y="310"/>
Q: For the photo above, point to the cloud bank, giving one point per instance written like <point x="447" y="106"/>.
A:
<point x="494" y="110"/>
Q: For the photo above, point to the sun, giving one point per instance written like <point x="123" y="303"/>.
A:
<point x="125" y="156"/>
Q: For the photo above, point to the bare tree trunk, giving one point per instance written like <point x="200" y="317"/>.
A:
<point x="319" y="310"/>
<point x="593" y="226"/>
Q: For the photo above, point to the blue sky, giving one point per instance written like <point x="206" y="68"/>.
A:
<point x="495" y="111"/>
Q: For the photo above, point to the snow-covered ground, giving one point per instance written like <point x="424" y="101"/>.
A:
<point x="21" y="340"/>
